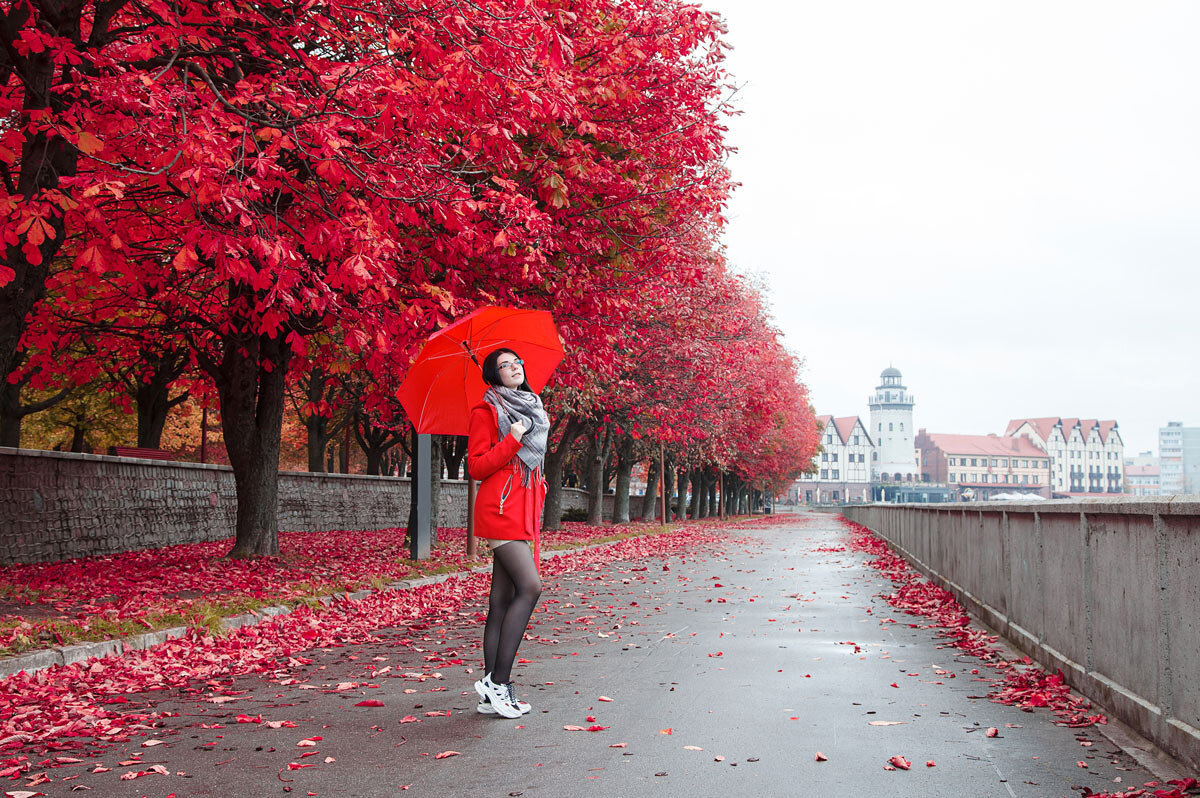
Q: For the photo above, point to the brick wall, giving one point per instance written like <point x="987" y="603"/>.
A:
<point x="57" y="505"/>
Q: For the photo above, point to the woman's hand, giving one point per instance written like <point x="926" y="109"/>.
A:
<point x="517" y="430"/>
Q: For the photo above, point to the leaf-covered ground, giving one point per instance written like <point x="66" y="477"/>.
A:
<point x="62" y="713"/>
<point x="95" y="598"/>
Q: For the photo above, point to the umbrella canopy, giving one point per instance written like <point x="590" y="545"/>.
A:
<point x="446" y="380"/>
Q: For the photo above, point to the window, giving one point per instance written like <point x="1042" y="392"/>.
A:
<point x="902" y="426"/>
<point x="973" y="459"/>
<point x="994" y="462"/>
<point x="824" y="457"/>
<point x="881" y="426"/>
<point x="835" y="473"/>
<point x="856" y="440"/>
<point x="1035" y="479"/>
<point x="1004" y="462"/>
<point x="1024" y="479"/>
<point x="834" y="457"/>
<point x="862" y="458"/>
<point x="874" y="457"/>
<point x="891" y="427"/>
<point x="835" y="496"/>
<point x="1005" y="480"/>
<point x="952" y="476"/>
<point x="824" y="473"/>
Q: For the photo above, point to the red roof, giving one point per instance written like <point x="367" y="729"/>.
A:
<point x="1042" y="425"/>
<point x="845" y="427"/>
<point x="984" y="444"/>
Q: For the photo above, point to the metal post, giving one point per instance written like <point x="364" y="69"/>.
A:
<point x="472" y="547"/>
<point x="419" y="547"/>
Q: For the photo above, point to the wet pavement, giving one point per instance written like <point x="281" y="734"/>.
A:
<point x="722" y="673"/>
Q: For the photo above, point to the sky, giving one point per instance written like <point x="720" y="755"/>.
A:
<point x="1002" y="200"/>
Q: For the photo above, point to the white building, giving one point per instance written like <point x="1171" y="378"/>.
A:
<point x="1087" y="456"/>
<point x="1179" y="459"/>
<point x="895" y="458"/>
<point x="842" y="471"/>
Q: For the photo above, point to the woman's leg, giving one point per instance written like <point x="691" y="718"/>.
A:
<point x="499" y="597"/>
<point x="517" y="562"/>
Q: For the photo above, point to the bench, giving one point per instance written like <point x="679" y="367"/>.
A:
<point x="137" y="451"/>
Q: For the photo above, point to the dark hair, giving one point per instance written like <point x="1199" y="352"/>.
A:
<point x="491" y="371"/>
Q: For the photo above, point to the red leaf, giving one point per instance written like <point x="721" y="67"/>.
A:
<point x="446" y="754"/>
<point x="370" y="702"/>
<point x="820" y="757"/>
<point x="900" y="762"/>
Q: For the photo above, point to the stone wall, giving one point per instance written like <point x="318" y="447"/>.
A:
<point x="1106" y="591"/>
<point x="56" y="505"/>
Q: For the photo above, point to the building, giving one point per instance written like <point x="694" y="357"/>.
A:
<point x="892" y="428"/>
<point x="979" y="466"/>
<point x="1087" y="456"/>
<point x="842" y="471"/>
<point x="1179" y="459"/>
<point x="1142" y="480"/>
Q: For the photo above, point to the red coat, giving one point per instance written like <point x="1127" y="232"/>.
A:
<point x="494" y="463"/>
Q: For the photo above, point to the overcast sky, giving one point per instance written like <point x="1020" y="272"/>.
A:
<point x="1000" y="199"/>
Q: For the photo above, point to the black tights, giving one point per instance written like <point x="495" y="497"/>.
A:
<point x="516" y="588"/>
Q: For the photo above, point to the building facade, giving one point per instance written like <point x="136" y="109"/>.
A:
<point x="892" y="428"/>
<point x="1087" y="456"/>
<point x="1142" y="480"/>
<point x="1179" y="459"/>
<point x="980" y="466"/>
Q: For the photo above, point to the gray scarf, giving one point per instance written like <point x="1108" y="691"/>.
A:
<point x="514" y="405"/>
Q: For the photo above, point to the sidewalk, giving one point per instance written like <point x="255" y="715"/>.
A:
<point x="727" y="672"/>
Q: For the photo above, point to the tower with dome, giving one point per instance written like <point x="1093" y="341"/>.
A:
<point x="894" y="458"/>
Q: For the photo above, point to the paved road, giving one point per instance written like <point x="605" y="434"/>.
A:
<point x="727" y="671"/>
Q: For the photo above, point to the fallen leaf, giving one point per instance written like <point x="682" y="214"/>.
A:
<point x="820" y="757"/>
<point x="886" y="723"/>
<point x="618" y="745"/>
<point x="992" y="732"/>
<point x="929" y="763"/>
<point x="666" y="731"/>
<point x="900" y="762"/>
<point x="692" y="748"/>
<point x="151" y="743"/>
<point x="604" y="698"/>
<point x="370" y="702"/>
<point x="446" y="754"/>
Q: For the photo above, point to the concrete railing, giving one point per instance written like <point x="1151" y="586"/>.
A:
<point x="1106" y="591"/>
<point x="56" y="505"/>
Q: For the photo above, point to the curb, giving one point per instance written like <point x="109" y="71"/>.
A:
<point x="41" y="659"/>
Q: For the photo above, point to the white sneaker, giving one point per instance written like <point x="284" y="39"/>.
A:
<point x="485" y="704"/>
<point x="500" y="697"/>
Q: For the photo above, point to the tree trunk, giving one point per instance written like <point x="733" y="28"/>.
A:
<point x="601" y="447"/>
<point x="317" y="425"/>
<point x="649" y="501"/>
<point x="252" y="401"/>
<point x="47" y="157"/>
<point x="625" y="463"/>
<point x="12" y="412"/>
<point x="454" y="449"/>
<point x="681" y="499"/>
<point x="710" y="492"/>
<point x="694" y="504"/>
<point x="153" y="397"/>
<point x="552" y="511"/>
<point x="77" y="439"/>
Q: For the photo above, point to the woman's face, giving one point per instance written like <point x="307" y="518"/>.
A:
<point x="512" y="372"/>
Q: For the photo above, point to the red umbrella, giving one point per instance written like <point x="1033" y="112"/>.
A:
<point x="446" y="380"/>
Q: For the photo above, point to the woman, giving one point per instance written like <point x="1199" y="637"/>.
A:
<point x="505" y="450"/>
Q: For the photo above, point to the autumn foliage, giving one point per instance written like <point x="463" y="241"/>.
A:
<point x="272" y="204"/>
